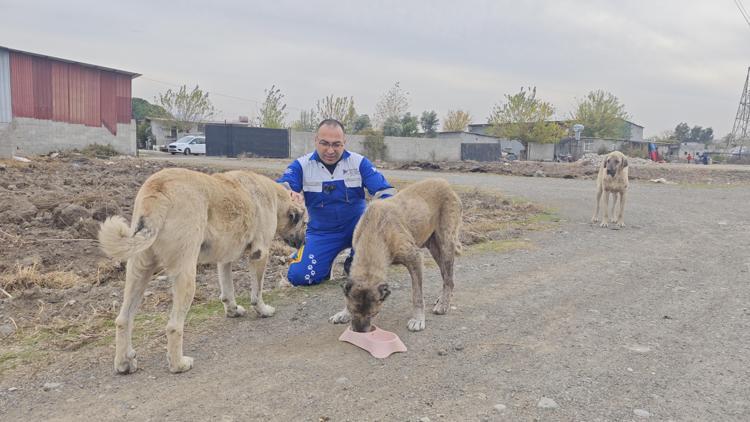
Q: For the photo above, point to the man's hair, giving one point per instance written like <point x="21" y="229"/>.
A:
<point x="331" y="122"/>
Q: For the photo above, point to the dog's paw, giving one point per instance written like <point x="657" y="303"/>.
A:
<point x="594" y="220"/>
<point x="127" y="365"/>
<point x="604" y="224"/>
<point x="342" y="317"/>
<point x="620" y="224"/>
<point x="441" y="306"/>
<point x="239" y="311"/>
<point x="185" y="364"/>
<point x="415" y="324"/>
<point x="265" y="311"/>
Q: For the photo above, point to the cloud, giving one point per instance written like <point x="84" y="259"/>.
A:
<point x="668" y="61"/>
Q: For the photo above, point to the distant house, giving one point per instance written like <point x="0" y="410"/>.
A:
<point x="164" y="131"/>
<point x="572" y="148"/>
<point x="49" y="104"/>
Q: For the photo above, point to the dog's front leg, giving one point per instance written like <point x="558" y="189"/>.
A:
<point x="620" y="216"/>
<point x="341" y="317"/>
<point x="256" y="292"/>
<point x="605" y="217"/>
<point x="595" y="218"/>
<point x="613" y="215"/>
<point x="414" y="265"/>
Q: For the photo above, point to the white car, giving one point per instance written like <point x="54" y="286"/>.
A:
<point x="190" y="144"/>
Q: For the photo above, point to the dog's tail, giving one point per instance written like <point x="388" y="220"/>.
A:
<point x="118" y="241"/>
<point x="121" y="242"/>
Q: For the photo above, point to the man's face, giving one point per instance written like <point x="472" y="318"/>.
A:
<point x="329" y="142"/>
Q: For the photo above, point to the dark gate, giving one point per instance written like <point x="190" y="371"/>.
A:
<point x="481" y="152"/>
<point x="232" y="140"/>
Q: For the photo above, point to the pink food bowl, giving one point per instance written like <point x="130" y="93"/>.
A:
<point x="379" y="343"/>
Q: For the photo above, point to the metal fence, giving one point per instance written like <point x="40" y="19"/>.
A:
<point x="232" y="140"/>
<point x="481" y="152"/>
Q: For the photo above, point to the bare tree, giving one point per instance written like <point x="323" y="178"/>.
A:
<point x="186" y="109"/>
<point x="393" y="104"/>
<point x="456" y="121"/>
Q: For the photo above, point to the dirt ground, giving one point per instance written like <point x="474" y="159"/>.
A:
<point x="573" y="322"/>
<point x="65" y="293"/>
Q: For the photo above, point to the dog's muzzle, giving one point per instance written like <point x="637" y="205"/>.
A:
<point x="611" y="172"/>
<point x="361" y="326"/>
<point x="295" y="242"/>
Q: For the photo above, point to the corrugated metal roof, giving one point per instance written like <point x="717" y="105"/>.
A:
<point x="5" y="106"/>
<point x="109" y="69"/>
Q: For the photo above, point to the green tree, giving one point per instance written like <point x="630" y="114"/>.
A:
<point x="695" y="133"/>
<point x="186" y="108"/>
<point x="525" y="118"/>
<point x="142" y="109"/>
<point x="707" y="136"/>
<point x="361" y="123"/>
<point x="308" y="121"/>
<point x="429" y="123"/>
<point x="456" y="121"/>
<point x="602" y="115"/>
<point x="273" y="111"/>
<point x="393" y="103"/>
<point x="409" y="125"/>
<point x="392" y="126"/>
<point x="374" y="144"/>
<point x="682" y="132"/>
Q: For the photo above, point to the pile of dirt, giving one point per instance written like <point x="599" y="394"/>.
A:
<point x="596" y="160"/>
<point x="66" y="293"/>
<point x="586" y="168"/>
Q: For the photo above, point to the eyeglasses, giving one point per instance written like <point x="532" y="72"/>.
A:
<point x="334" y="145"/>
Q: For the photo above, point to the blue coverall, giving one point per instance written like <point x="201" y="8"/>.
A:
<point x="335" y="202"/>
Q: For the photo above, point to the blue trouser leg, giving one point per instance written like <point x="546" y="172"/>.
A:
<point x="314" y="260"/>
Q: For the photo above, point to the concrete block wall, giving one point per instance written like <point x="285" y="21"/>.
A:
<point x="25" y="136"/>
<point x="6" y="151"/>
<point x="399" y="149"/>
<point x="540" y="152"/>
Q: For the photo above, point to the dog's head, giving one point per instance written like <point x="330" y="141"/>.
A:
<point x="292" y="223"/>
<point x="364" y="302"/>
<point x="615" y="161"/>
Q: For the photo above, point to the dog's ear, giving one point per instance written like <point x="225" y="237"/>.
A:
<point x="624" y="162"/>
<point x="347" y="287"/>
<point x="384" y="291"/>
<point x="604" y="163"/>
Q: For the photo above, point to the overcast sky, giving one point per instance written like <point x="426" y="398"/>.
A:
<point x="667" y="60"/>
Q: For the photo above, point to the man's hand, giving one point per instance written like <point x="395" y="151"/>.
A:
<point x="297" y="197"/>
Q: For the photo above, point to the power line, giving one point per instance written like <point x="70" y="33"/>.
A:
<point x="218" y="94"/>
<point x="742" y="10"/>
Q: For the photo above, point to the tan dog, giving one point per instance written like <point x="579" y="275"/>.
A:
<point x="612" y="179"/>
<point x="182" y="218"/>
<point x="393" y="230"/>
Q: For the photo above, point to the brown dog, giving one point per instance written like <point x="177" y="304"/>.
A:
<point x="182" y="218"/>
<point x="612" y="179"/>
<point x="393" y="230"/>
